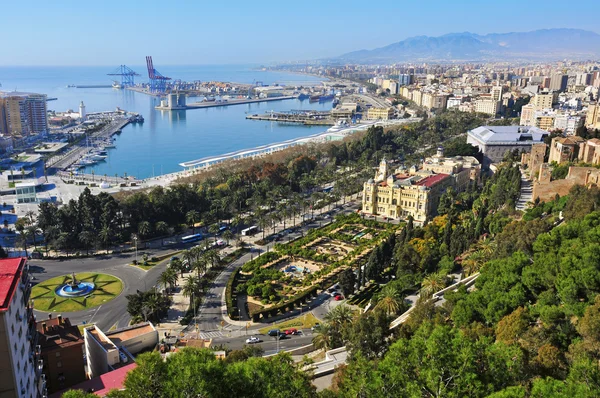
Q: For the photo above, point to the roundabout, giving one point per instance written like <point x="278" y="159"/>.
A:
<point x="75" y="292"/>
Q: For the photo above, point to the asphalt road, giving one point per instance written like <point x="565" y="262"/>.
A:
<point x="269" y="344"/>
<point x="114" y="311"/>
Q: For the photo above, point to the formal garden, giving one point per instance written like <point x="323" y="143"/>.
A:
<point x="281" y="280"/>
<point x="75" y="292"/>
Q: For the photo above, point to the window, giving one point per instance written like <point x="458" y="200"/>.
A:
<point x="58" y="354"/>
<point x="59" y="364"/>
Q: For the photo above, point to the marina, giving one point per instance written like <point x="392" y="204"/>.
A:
<point x="166" y="139"/>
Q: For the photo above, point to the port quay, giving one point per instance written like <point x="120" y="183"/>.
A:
<point x="263" y="150"/>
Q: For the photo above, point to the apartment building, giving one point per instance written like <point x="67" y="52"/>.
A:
<point x="23" y="114"/>
<point x="20" y="365"/>
<point x="434" y="100"/>
<point x="486" y="104"/>
<point x="542" y="101"/>
<point x="592" y="119"/>
<point x="62" y="352"/>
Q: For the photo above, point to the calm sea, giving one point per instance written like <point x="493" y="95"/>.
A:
<point x="166" y="138"/>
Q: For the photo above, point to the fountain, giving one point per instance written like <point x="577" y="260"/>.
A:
<point x="75" y="288"/>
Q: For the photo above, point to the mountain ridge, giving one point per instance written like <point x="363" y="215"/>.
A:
<point x="467" y="46"/>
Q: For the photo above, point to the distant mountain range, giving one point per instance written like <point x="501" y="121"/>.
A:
<point x="545" y="44"/>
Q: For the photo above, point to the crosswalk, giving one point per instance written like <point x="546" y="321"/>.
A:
<point x="211" y="335"/>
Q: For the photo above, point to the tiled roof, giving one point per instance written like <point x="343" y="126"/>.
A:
<point x="432" y="180"/>
<point x="102" y="384"/>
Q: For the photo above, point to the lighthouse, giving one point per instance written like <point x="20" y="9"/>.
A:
<point x="81" y="111"/>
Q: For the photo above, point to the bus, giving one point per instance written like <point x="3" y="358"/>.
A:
<point x="191" y="238"/>
<point x="250" y="230"/>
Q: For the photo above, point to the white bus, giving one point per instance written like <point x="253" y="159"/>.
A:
<point x="250" y="230"/>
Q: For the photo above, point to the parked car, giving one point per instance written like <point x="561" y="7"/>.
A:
<point x="316" y="327"/>
<point x="338" y="298"/>
<point x="252" y="340"/>
<point x="290" y="331"/>
<point x="274" y="332"/>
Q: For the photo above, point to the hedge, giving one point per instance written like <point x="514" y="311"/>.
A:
<point x="285" y="306"/>
<point x="229" y="289"/>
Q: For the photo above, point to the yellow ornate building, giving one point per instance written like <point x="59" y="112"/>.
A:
<point x="416" y="192"/>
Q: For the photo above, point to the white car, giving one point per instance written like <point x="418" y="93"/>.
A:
<point x="252" y="340"/>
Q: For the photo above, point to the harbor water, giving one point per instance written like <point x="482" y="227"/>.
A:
<point x="167" y="138"/>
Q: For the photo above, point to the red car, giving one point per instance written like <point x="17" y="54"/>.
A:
<point x="290" y="331"/>
<point x="338" y="298"/>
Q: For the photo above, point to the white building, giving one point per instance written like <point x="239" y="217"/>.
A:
<point x="495" y="141"/>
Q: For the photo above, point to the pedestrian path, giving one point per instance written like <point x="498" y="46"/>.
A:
<point x="526" y="195"/>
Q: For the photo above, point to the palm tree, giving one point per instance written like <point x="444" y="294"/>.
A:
<point x="144" y="229"/>
<point x="190" y="286"/>
<point x="431" y="284"/>
<point x="322" y="337"/>
<point x="340" y="315"/>
<point x="188" y="257"/>
<point x="162" y="228"/>
<point x="192" y="217"/>
<point x="389" y="299"/>
<point x="31" y="217"/>
<point x="227" y="235"/>
<point x="177" y="266"/>
<point x="214" y="229"/>
<point x="168" y="278"/>
<point x="201" y="265"/>
<point x="473" y="262"/>
<point x="106" y="237"/>
<point x="263" y="223"/>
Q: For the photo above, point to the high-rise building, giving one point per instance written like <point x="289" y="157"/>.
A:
<point x="23" y="114"/>
<point x="558" y="82"/>
<point x="20" y="364"/>
<point x="542" y="101"/>
<point x="496" y="92"/>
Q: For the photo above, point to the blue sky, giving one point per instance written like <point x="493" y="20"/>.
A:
<point x="110" y="32"/>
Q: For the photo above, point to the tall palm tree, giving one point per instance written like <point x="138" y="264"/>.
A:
<point x="189" y="257"/>
<point x="190" y="286"/>
<point x="192" y="217"/>
<point x="322" y="337"/>
<point x="340" y="315"/>
<point x="106" y="236"/>
<point x="431" y="284"/>
<point x="168" y="278"/>
<point x="389" y="299"/>
<point x="227" y="235"/>
<point x="162" y="228"/>
<point x="144" y="229"/>
<point x="214" y="229"/>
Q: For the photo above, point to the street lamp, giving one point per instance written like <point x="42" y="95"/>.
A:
<point x="135" y="241"/>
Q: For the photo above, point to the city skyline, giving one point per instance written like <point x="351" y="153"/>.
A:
<point x="242" y="33"/>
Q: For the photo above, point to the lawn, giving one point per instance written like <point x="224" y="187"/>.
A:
<point x="305" y="321"/>
<point x="107" y="287"/>
<point x="149" y="264"/>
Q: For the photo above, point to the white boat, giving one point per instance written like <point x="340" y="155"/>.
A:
<point x="340" y="125"/>
<point x="96" y="157"/>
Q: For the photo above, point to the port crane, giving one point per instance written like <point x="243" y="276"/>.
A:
<point x="127" y="75"/>
<point x="158" y="82"/>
